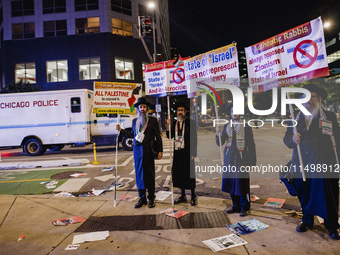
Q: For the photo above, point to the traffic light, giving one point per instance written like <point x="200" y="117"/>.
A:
<point x="146" y="29"/>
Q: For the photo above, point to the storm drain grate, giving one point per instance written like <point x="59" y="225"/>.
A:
<point x="216" y="219"/>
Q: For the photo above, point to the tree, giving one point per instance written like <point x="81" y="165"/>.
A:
<point x="17" y="87"/>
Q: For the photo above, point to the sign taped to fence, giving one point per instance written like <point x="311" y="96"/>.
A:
<point x="116" y="97"/>
<point x="294" y="56"/>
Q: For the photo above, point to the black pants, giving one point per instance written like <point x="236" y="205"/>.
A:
<point x="241" y="203"/>
<point x="142" y="194"/>
<point x="330" y="224"/>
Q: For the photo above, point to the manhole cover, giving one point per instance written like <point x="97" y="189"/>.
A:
<point x="216" y="219"/>
<point x="65" y="175"/>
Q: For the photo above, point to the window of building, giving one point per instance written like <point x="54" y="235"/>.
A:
<point x="23" y="31"/>
<point x="86" y="5"/>
<point x="22" y="8"/>
<point x="87" y="26"/>
<point x="54" y="6"/>
<point x="333" y="57"/>
<point x="55" y="28"/>
<point x="25" y="72"/>
<point x="75" y="104"/>
<point x="57" y="71"/>
<point x="121" y="27"/>
<point x="121" y="6"/>
<point x="143" y="69"/>
<point x="124" y="68"/>
<point x="89" y="69"/>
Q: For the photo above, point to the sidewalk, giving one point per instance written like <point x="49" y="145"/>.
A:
<point x="32" y="216"/>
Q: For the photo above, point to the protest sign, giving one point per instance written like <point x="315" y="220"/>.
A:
<point x="165" y="79"/>
<point x="218" y="66"/>
<point x="293" y="56"/>
<point x="115" y="97"/>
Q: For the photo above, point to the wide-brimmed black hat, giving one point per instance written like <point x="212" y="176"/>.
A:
<point x="181" y="104"/>
<point x="313" y="88"/>
<point x="142" y="100"/>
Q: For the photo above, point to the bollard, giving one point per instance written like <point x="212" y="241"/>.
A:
<point x="95" y="154"/>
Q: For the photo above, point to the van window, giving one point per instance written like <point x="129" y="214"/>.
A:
<point x="75" y="104"/>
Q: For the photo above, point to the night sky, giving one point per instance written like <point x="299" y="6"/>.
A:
<point x="200" y="26"/>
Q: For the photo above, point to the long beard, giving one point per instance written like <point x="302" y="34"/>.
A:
<point x="180" y="117"/>
<point x="141" y="119"/>
<point x="314" y="110"/>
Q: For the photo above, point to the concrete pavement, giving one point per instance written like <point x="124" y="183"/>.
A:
<point x="32" y="216"/>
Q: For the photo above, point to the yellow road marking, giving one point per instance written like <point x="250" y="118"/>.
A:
<point x="32" y="180"/>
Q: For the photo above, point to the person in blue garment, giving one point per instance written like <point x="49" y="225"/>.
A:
<point x="145" y="130"/>
<point x="319" y="137"/>
<point x="239" y="151"/>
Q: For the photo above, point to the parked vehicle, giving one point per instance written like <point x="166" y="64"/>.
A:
<point x="206" y="120"/>
<point x="37" y="121"/>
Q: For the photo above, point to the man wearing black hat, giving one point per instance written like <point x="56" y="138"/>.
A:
<point x="145" y="130"/>
<point x="319" y="137"/>
<point x="185" y="151"/>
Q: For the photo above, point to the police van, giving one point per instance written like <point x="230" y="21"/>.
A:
<point x="37" y="121"/>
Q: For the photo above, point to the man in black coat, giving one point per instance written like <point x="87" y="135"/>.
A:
<point x="183" y="130"/>
<point x="145" y="130"/>
<point x="319" y="137"/>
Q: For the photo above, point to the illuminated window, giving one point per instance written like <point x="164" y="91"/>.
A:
<point x="85" y="5"/>
<point x="333" y="57"/>
<point x="54" y="6"/>
<point x="121" y="6"/>
<point x="25" y="72"/>
<point x="23" y="31"/>
<point x="89" y="69"/>
<point x="22" y="8"/>
<point x="55" y="28"/>
<point x="124" y="68"/>
<point x="57" y="71"/>
<point x="87" y="26"/>
<point x="121" y="27"/>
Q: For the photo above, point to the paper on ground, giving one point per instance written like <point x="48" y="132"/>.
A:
<point x="72" y="247"/>
<point x="72" y="185"/>
<point x="90" y="237"/>
<point x="97" y="192"/>
<point x="254" y="186"/>
<point x="162" y="195"/>
<point x="104" y="178"/>
<point x="224" y="242"/>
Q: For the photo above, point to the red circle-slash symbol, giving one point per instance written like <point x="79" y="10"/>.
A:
<point x="178" y="75"/>
<point x="306" y="54"/>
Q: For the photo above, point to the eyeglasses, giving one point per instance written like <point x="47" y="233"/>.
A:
<point x="180" y="110"/>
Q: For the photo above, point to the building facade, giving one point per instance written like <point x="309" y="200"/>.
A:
<point x="69" y="44"/>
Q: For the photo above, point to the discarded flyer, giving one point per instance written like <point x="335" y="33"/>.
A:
<point x="129" y="198"/>
<point x="90" y="237"/>
<point x="246" y="227"/>
<point x="254" y="186"/>
<point x="72" y="247"/>
<point x="253" y="198"/>
<point x="78" y="174"/>
<point x="172" y="212"/>
<point x="68" y="221"/>
<point x="21" y="237"/>
<point x="274" y="202"/>
<point x="224" y="242"/>
<point x="119" y="185"/>
<point x="51" y="184"/>
<point x="108" y="169"/>
<point x="97" y="192"/>
<point x="162" y="195"/>
<point x="64" y="194"/>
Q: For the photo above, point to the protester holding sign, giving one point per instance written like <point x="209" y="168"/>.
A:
<point x="319" y="139"/>
<point x="145" y="130"/>
<point x="185" y="140"/>
<point x="239" y="151"/>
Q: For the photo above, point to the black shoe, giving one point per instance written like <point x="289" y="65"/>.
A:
<point x="194" y="201"/>
<point x="334" y="234"/>
<point x="233" y="210"/>
<point x="181" y="200"/>
<point x="140" y="203"/>
<point x="302" y="227"/>
<point x="152" y="203"/>
<point x="244" y="213"/>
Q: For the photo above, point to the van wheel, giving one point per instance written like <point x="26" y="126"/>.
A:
<point x="56" y="147"/>
<point x="33" y="147"/>
<point x="127" y="143"/>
